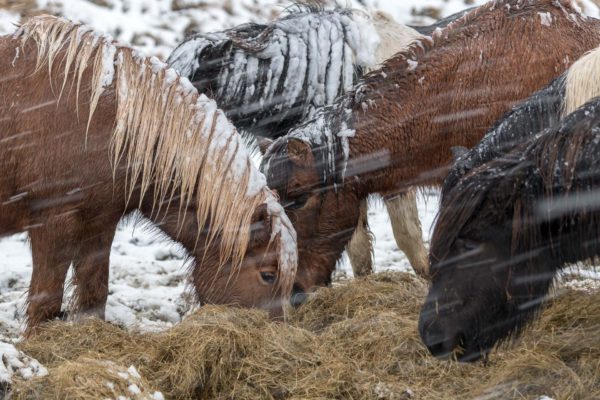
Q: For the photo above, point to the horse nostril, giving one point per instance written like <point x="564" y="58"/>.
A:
<point x="442" y="344"/>
<point x="438" y="350"/>
<point x="299" y="296"/>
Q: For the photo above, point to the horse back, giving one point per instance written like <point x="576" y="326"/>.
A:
<point x="50" y="162"/>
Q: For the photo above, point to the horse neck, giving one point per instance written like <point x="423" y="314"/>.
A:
<point x="408" y="119"/>
<point x="180" y="224"/>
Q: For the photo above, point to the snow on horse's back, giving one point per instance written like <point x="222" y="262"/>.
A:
<point x="268" y="78"/>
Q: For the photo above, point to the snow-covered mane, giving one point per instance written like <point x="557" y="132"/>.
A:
<point x="177" y="145"/>
<point x="269" y="78"/>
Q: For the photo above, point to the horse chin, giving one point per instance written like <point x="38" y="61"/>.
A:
<point x="458" y="349"/>
<point x="274" y="308"/>
<point x="471" y="353"/>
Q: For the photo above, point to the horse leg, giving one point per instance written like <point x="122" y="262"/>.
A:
<point x="360" y="248"/>
<point x="91" y="272"/>
<point x="407" y="230"/>
<point x="52" y="249"/>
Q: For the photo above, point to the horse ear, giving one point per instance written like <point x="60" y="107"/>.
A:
<point x="264" y="144"/>
<point x="261" y="227"/>
<point x="458" y="152"/>
<point x="299" y="152"/>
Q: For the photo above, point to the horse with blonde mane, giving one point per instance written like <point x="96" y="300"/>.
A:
<point x="91" y="132"/>
<point x="396" y="131"/>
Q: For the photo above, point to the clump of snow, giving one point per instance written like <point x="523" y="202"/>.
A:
<point x="546" y="18"/>
<point x="132" y="379"/>
<point x="108" y="63"/>
<point x="14" y="362"/>
<point x="281" y="226"/>
<point x="8" y="21"/>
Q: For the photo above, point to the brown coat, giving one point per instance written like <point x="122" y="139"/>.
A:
<point x="117" y="133"/>
<point x="407" y="116"/>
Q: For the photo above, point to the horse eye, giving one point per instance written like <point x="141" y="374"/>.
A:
<point x="268" y="277"/>
<point x="468" y="244"/>
<point x="299" y="202"/>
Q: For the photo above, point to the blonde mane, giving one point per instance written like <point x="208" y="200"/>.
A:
<point x="393" y="37"/>
<point x="582" y="82"/>
<point x="173" y="140"/>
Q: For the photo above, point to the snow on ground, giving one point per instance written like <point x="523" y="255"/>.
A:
<point x="148" y="276"/>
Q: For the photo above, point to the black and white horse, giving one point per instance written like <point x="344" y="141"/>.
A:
<point x="270" y="78"/>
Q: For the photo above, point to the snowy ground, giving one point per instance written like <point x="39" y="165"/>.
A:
<point x="147" y="286"/>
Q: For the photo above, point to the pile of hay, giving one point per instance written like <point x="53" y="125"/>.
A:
<point x="355" y="341"/>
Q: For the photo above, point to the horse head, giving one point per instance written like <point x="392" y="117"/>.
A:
<point x="296" y="169"/>
<point x="485" y="286"/>
<point x="255" y="282"/>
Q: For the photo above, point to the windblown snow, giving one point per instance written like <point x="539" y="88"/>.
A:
<point x="148" y="276"/>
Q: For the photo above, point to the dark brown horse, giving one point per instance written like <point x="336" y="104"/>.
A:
<point x="506" y="229"/>
<point x="90" y="132"/>
<point x="398" y="128"/>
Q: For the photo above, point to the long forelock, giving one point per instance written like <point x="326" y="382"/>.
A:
<point x="458" y="208"/>
<point x="462" y="203"/>
<point x="172" y="140"/>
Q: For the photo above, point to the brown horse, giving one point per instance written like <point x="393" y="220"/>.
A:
<point x="90" y="132"/>
<point x="244" y="67"/>
<point x="398" y="128"/>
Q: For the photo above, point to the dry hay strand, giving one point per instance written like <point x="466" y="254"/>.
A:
<point x="355" y="341"/>
<point x="370" y="295"/>
<point x="227" y="353"/>
<point x="59" y="341"/>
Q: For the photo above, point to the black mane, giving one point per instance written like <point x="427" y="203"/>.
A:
<point x="551" y="176"/>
